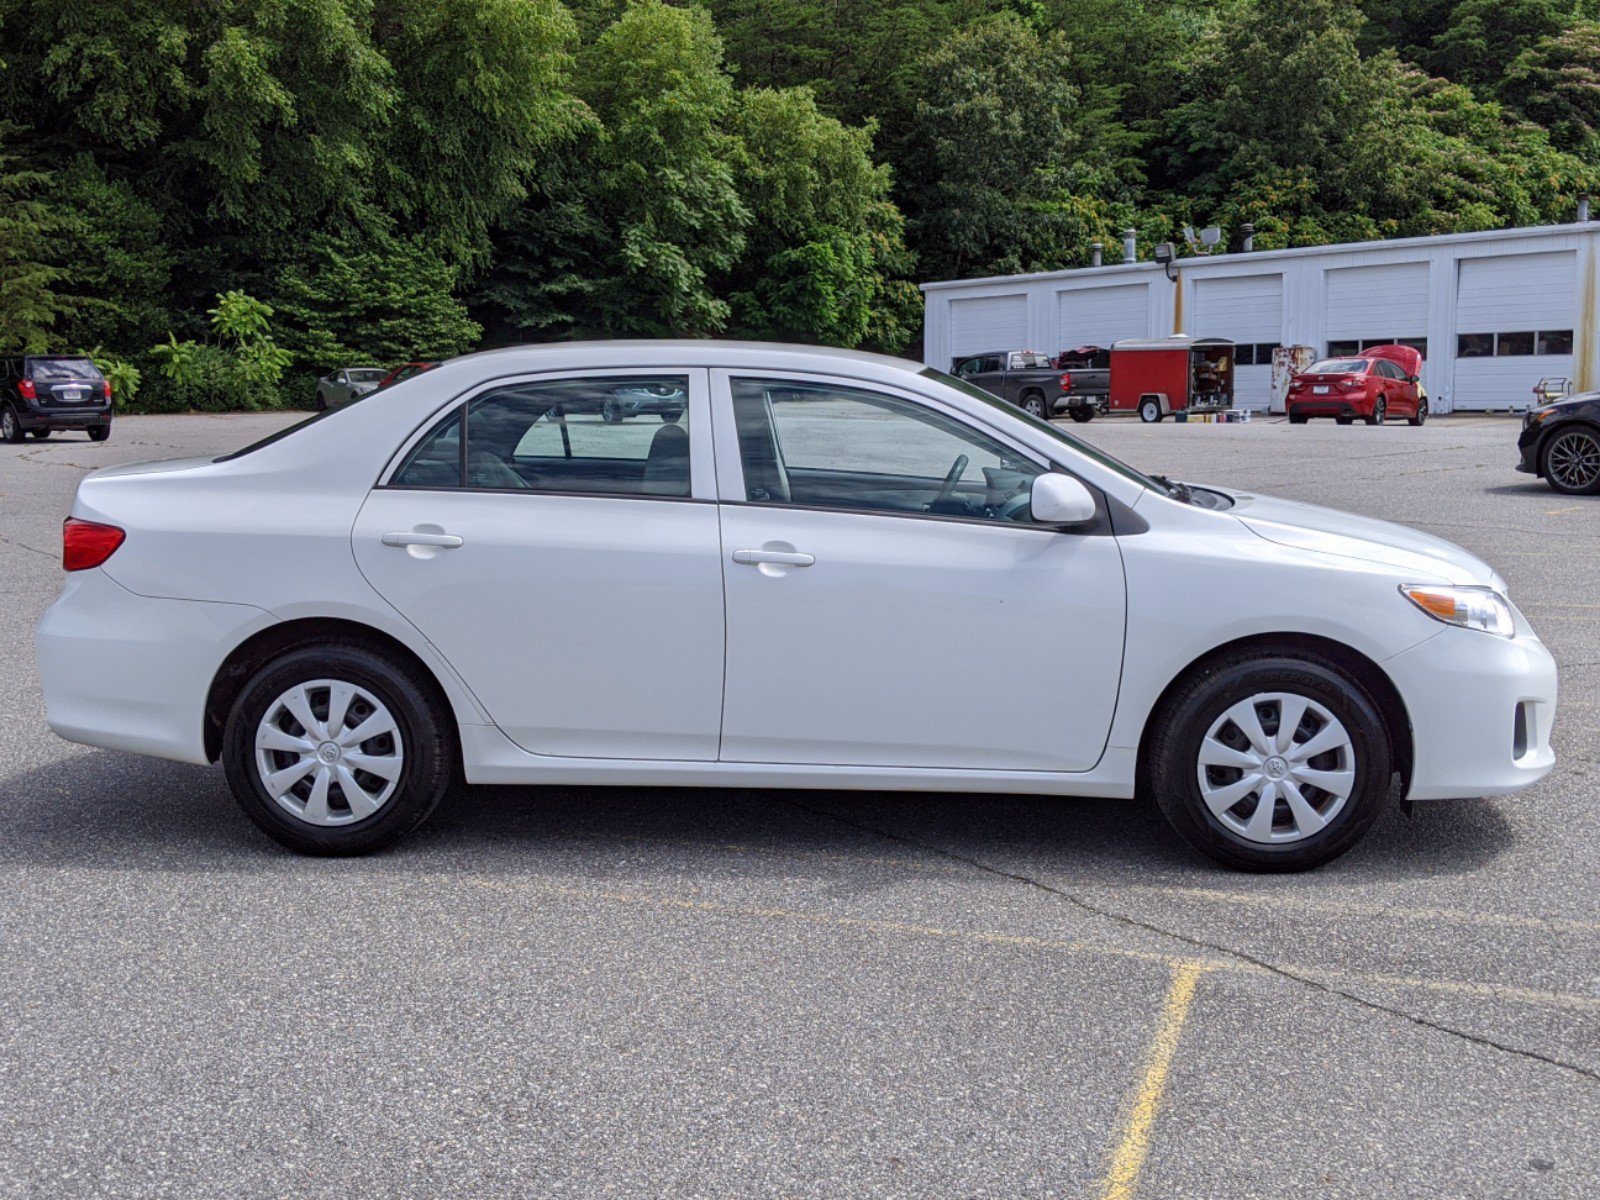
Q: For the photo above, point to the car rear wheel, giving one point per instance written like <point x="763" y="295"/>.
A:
<point x="39" y="435"/>
<point x="1342" y="420"/>
<point x="1297" y="420"/>
<point x="1270" y="763"/>
<point x="1081" y="414"/>
<point x="1150" y="411"/>
<point x="1380" y="411"/>
<point x="1422" y="413"/>
<point x="1033" y="405"/>
<point x="335" y="749"/>
<point x="100" y="433"/>
<point x="10" y="427"/>
<point x="1572" y="462"/>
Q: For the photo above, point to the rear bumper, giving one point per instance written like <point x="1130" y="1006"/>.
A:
<point x="128" y="672"/>
<point x="1324" y="406"/>
<point x="89" y="416"/>
<point x="1481" y="710"/>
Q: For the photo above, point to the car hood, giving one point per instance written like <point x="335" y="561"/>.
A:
<point x="1327" y="531"/>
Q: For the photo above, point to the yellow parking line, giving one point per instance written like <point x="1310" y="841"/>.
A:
<point x="1573" y="1001"/>
<point x="1133" y="1146"/>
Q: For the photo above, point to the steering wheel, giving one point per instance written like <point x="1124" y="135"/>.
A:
<point x="951" y="478"/>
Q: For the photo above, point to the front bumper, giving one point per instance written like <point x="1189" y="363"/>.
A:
<point x="129" y="672"/>
<point x="1528" y="448"/>
<point x="1481" y="710"/>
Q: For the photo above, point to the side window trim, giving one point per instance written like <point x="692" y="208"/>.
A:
<point x="702" y="470"/>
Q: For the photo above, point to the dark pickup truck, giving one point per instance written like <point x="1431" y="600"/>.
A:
<point x="1036" y="384"/>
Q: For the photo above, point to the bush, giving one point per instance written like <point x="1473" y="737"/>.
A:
<point x="212" y="380"/>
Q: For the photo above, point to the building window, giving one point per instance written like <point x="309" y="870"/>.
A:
<point x="1513" y="343"/>
<point x="1347" y="349"/>
<point x="1555" y="341"/>
<point x="1419" y="344"/>
<point x="1474" y="345"/>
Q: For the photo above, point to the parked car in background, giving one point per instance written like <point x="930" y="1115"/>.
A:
<point x="338" y="388"/>
<point x="1379" y="383"/>
<point x="405" y="371"/>
<point x="1560" y="443"/>
<point x="836" y="570"/>
<point x="663" y="400"/>
<point x="1026" y="378"/>
<point x="1085" y="382"/>
<point x="46" y="392"/>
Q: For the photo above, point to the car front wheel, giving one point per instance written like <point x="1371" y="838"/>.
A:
<point x="1572" y="462"/>
<point x="1270" y="763"/>
<point x="1422" y="413"/>
<point x="335" y="749"/>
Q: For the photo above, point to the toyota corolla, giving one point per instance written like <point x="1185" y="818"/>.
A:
<point x="834" y="570"/>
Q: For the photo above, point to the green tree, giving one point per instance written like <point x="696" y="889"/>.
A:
<point x="29" y="302"/>
<point x="638" y="215"/>
<point x="998" y="152"/>
<point x="382" y="299"/>
<point x="826" y="258"/>
<point x="1556" y="84"/>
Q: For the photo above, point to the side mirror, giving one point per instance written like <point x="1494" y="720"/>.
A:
<point x="1060" y="500"/>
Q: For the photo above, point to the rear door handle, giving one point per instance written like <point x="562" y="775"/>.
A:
<point x="447" y="541"/>
<point x="787" y="558"/>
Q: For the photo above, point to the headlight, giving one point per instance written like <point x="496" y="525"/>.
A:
<point x="1470" y="607"/>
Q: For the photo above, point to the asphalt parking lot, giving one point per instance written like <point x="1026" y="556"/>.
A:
<point x="749" y="994"/>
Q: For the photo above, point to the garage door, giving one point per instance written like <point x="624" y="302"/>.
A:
<point x="1098" y="316"/>
<point x="1248" y="309"/>
<point x="1514" y="321"/>
<point x="1376" y="304"/>
<point x="981" y="323"/>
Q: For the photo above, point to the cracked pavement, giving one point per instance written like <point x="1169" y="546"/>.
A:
<point x="630" y="992"/>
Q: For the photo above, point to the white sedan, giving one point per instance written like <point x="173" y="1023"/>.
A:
<point x="833" y="570"/>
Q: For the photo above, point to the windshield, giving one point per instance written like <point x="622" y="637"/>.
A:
<point x="366" y="374"/>
<point x="1061" y="435"/>
<point x="1338" y="366"/>
<point x="65" y="368"/>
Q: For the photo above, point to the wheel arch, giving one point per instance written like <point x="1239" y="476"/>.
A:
<point x="250" y="655"/>
<point x="1366" y="673"/>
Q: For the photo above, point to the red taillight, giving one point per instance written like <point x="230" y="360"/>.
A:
<point x="1066" y="381"/>
<point x="108" y="389"/>
<point x="29" y="392"/>
<point x="86" y="544"/>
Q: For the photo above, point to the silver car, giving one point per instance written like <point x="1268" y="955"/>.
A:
<point x="340" y="387"/>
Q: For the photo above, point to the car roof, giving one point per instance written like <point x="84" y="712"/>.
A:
<point x="689" y="352"/>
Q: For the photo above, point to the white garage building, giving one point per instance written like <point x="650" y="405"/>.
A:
<point x="1492" y="312"/>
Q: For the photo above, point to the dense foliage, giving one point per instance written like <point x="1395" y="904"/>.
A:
<point x="340" y="182"/>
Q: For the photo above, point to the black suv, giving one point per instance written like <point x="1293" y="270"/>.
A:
<point x="53" y="391"/>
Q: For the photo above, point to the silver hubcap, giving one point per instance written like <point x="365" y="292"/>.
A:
<point x="8" y="424"/>
<point x="1574" y="460"/>
<point x="329" y="752"/>
<point x="1276" y="767"/>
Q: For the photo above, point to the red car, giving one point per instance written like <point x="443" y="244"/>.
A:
<point x="1376" y="384"/>
<point x="404" y="371"/>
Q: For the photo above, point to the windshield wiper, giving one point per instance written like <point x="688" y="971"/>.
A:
<point x="1181" y="492"/>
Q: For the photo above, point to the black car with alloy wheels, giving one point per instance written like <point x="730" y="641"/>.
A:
<point x="46" y="392"/>
<point x="1560" y="443"/>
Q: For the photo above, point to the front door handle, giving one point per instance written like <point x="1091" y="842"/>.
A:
<point x="787" y="558"/>
<point x="445" y="541"/>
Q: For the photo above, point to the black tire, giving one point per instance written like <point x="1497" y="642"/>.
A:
<point x="1150" y="411"/>
<point x="1380" y="410"/>
<point x="39" y="435"/>
<point x="1422" y="414"/>
<point x="1081" y="414"/>
<point x="1570" y="461"/>
<point x="1033" y="404"/>
<point x="100" y="433"/>
<point x="611" y="412"/>
<point x="1342" y="420"/>
<point x="427" y="765"/>
<point x="10" y="427"/>
<point x="1186" y="716"/>
<point x="1297" y="420"/>
<point x="322" y="402"/>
